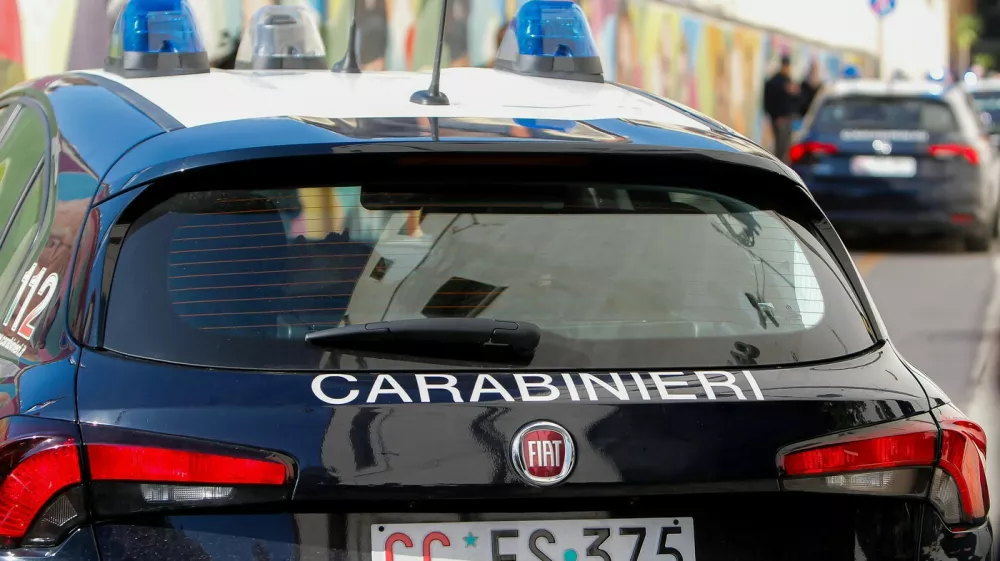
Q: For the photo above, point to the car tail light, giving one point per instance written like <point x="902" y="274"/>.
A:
<point x="129" y="478"/>
<point x="900" y="459"/>
<point x="948" y="151"/>
<point x="43" y="470"/>
<point x="803" y="150"/>
<point x="883" y="452"/>
<point x="960" y="490"/>
<point x="38" y="473"/>
<point x="140" y="463"/>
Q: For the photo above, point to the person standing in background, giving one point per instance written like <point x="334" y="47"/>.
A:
<point x="781" y="102"/>
<point x="810" y="87"/>
<point x="373" y="33"/>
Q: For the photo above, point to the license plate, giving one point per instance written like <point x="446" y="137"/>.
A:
<point x="883" y="166"/>
<point x="643" y="539"/>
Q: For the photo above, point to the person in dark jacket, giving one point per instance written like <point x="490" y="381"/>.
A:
<point x="809" y="88"/>
<point x="781" y="103"/>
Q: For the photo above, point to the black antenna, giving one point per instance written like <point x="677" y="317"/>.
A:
<point x="433" y="95"/>
<point x="349" y="64"/>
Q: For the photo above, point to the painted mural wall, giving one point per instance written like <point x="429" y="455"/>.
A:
<point x="715" y="66"/>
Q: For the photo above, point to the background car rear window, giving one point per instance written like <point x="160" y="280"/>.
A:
<point x="989" y="102"/>
<point x="885" y="113"/>
<point x="615" y="276"/>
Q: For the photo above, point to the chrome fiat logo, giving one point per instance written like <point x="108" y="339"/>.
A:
<point x="542" y="453"/>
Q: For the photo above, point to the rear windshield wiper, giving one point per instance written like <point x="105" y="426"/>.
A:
<point x="430" y="336"/>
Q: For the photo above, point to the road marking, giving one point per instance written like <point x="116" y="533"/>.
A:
<point x="985" y="392"/>
<point x="866" y="262"/>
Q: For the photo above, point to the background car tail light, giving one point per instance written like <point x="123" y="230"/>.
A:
<point x="900" y="459"/>
<point x="35" y="500"/>
<point x="948" y="151"/>
<point x="804" y="150"/>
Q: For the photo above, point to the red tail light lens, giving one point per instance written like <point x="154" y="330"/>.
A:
<point x="885" y="452"/>
<point x="903" y="460"/>
<point x="42" y="469"/>
<point x="114" y="462"/>
<point x="947" y="151"/>
<point x="800" y="151"/>
<point x="963" y="457"/>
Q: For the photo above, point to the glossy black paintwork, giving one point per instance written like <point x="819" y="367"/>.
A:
<point x="740" y="527"/>
<point x="42" y="381"/>
<point x="723" y="448"/>
<point x="79" y="546"/>
<point x="341" y="448"/>
<point x="37" y="389"/>
<point x="98" y="123"/>
<point x="268" y="138"/>
<point x="937" y="543"/>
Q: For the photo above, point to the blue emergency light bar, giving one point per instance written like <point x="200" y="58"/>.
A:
<point x="156" y="38"/>
<point x="551" y="39"/>
<point x="282" y="38"/>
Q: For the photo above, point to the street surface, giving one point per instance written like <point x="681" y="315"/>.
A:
<point x="942" y="310"/>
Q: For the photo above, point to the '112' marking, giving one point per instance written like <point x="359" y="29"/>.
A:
<point x="31" y="283"/>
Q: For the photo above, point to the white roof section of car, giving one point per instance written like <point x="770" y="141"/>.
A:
<point x="226" y="95"/>
<point x="985" y="85"/>
<point x="870" y="86"/>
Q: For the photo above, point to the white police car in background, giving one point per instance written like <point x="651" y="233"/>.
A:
<point x="284" y="312"/>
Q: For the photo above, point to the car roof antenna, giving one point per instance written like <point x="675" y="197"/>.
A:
<point x="433" y="95"/>
<point x="349" y="64"/>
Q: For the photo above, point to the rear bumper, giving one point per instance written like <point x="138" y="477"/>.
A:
<point x="78" y="546"/>
<point x="909" y="208"/>
<point x="836" y="528"/>
<point x="921" y="206"/>
<point x="855" y="223"/>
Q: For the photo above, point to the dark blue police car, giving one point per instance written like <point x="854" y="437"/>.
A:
<point x="907" y="158"/>
<point x="523" y="314"/>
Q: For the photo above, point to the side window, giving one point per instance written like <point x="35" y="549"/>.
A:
<point x="975" y="116"/>
<point x="22" y="146"/>
<point x="23" y="282"/>
<point x="22" y="149"/>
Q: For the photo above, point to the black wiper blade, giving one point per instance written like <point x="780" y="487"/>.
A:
<point x="429" y="335"/>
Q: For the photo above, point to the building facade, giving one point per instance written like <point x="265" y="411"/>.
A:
<point x="713" y="55"/>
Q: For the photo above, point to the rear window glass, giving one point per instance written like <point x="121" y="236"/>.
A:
<point x="888" y="113"/>
<point x="615" y="276"/>
<point x="988" y="102"/>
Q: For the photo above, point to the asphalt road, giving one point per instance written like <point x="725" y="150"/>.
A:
<point x="942" y="310"/>
<point x="934" y="306"/>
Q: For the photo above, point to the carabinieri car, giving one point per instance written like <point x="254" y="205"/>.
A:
<point x="523" y="314"/>
<point x="901" y="158"/>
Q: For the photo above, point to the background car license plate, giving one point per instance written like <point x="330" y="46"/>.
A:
<point x="880" y="166"/>
<point x="645" y="539"/>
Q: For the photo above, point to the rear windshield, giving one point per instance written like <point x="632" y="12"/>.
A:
<point x="885" y="113"/>
<point x="620" y="276"/>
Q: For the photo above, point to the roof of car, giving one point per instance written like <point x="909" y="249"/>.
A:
<point x="876" y="87"/>
<point x="128" y="131"/>
<point x="223" y="95"/>
<point x="985" y="85"/>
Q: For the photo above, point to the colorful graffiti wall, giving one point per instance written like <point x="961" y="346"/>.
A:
<point x="715" y="66"/>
